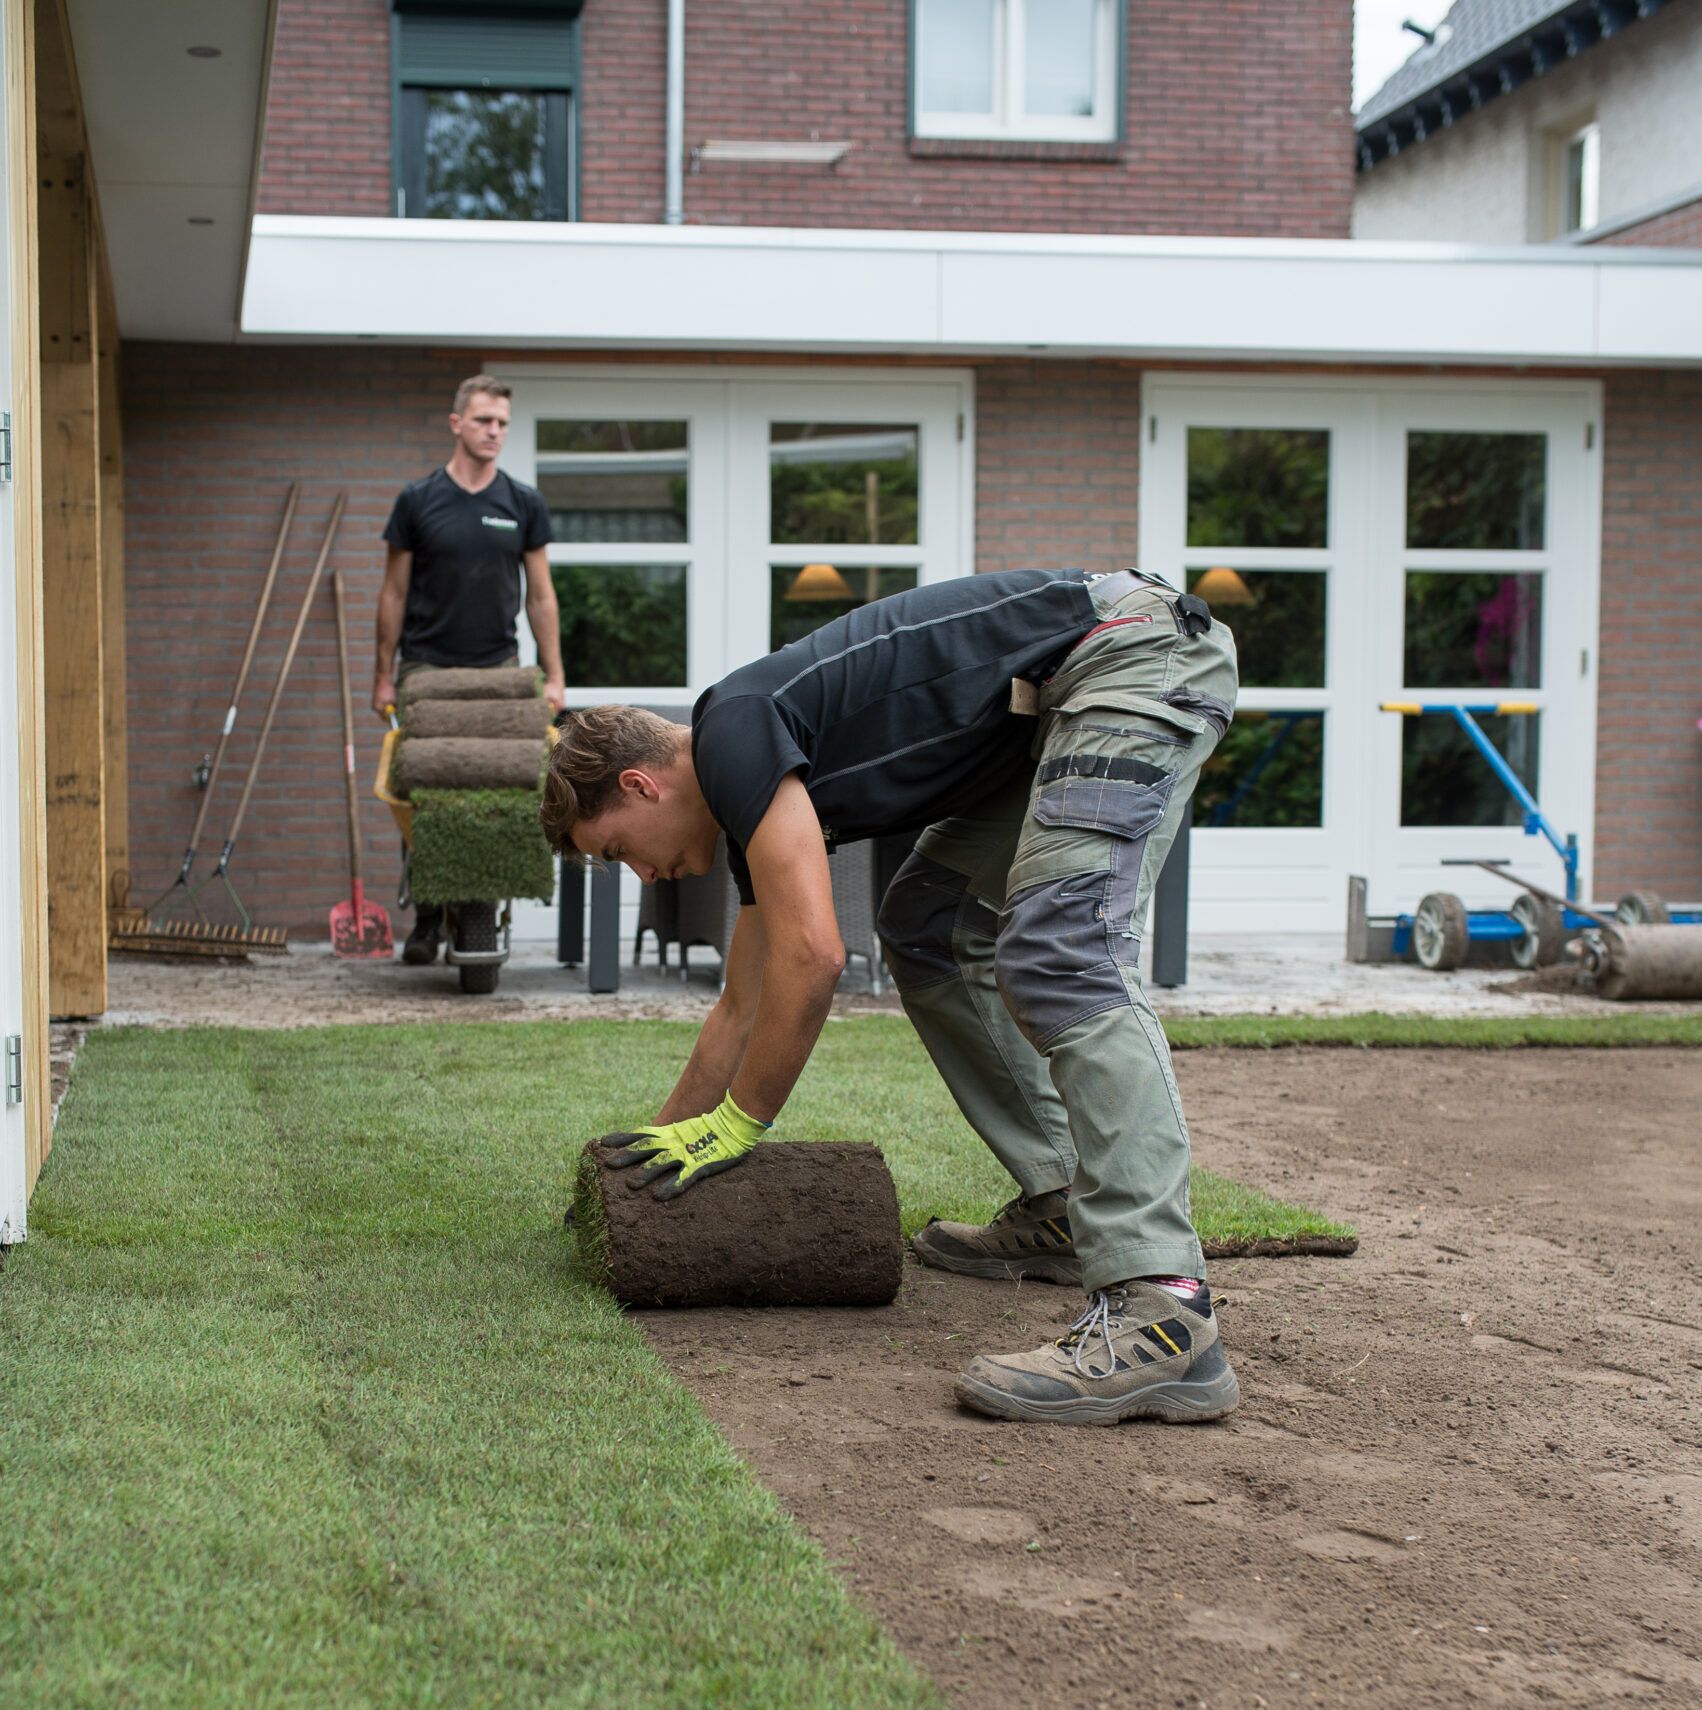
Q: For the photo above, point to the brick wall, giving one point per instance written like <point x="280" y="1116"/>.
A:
<point x="212" y="437"/>
<point x="1237" y="122"/>
<point x="326" y="148"/>
<point x="1648" y="749"/>
<point x="1057" y="465"/>
<point x="1677" y="228"/>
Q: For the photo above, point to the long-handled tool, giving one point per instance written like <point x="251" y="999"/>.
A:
<point x="358" y="927"/>
<point x="197" y="936"/>
<point x="210" y="776"/>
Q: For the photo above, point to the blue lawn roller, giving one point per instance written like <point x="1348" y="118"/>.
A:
<point x="1538" y="923"/>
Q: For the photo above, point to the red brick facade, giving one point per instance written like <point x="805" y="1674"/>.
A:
<point x="213" y="437"/>
<point x="1236" y="122"/>
<point x="1677" y="228"/>
<point x="1648" y="749"/>
<point x="327" y="140"/>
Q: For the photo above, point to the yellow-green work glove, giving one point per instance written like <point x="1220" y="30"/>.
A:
<point x="699" y="1146"/>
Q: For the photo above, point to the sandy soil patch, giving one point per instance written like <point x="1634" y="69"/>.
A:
<point x="1467" y="1467"/>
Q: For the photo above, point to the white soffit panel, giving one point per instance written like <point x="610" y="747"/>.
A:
<point x="969" y="294"/>
<point x="171" y="139"/>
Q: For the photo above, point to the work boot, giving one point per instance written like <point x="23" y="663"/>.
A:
<point x="1029" y="1238"/>
<point x="421" y="947"/>
<point x="1137" y="1352"/>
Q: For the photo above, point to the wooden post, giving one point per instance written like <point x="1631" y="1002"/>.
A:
<point x="19" y="24"/>
<point x="114" y="702"/>
<point x="72" y="614"/>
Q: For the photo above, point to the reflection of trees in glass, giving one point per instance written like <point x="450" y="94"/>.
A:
<point x="1473" y="630"/>
<point x="843" y="484"/>
<point x="1279" y="640"/>
<point x="614" y="481"/>
<point x="622" y="626"/>
<point x="792" y="620"/>
<point x="1258" y="486"/>
<point x="484" y="155"/>
<point x="1267" y="771"/>
<point x="1445" y="781"/>
<point x="1476" y="492"/>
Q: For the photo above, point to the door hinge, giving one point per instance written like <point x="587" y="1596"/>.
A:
<point x="14" y="1068"/>
<point x="1589" y="436"/>
<point x="5" y="445"/>
<point x="1152" y="431"/>
<point x="960" y="427"/>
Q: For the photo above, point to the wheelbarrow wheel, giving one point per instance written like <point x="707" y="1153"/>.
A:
<point x="476" y="933"/>
<point x="1642" y="908"/>
<point x="1440" y="932"/>
<point x="1544" y="931"/>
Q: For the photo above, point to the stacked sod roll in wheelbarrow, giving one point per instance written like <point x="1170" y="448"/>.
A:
<point x="462" y="772"/>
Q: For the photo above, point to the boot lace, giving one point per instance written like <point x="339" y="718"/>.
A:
<point x="1103" y="1315"/>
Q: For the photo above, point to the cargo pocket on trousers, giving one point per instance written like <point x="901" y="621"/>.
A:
<point x="1063" y="943"/>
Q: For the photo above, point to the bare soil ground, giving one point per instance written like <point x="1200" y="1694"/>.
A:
<point x="1467" y="1467"/>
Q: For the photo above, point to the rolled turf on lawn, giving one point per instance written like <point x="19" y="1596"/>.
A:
<point x="305" y="1404"/>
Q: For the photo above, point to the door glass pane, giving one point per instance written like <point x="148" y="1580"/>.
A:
<point x="1059" y="59"/>
<point x="623" y="626"/>
<point x="613" y="482"/>
<point x="1277" y="619"/>
<point x="803" y="598"/>
<point x="843" y="484"/>
<point x="484" y="155"/>
<point x="1258" y="486"/>
<point x="1473" y="630"/>
<point x="1267" y="771"/>
<point x="1476" y="492"/>
<point x="954" y="39"/>
<point x="1445" y="781"/>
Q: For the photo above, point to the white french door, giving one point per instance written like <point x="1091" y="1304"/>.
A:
<point x="1421" y="541"/>
<point x="703" y="518"/>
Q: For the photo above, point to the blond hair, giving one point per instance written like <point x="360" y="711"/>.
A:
<point x="596" y="745"/>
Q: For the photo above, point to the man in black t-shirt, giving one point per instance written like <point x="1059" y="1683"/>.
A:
<point x="461" y="542"/>
<point x="1043" y="729"/>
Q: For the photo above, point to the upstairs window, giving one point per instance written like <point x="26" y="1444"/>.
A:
<point x="485" y="116"/>
<point x="1020" y="70"/>
<point x="1580" y="187"/>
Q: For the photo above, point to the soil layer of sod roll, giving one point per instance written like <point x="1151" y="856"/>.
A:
<point x="795" y="1223"/>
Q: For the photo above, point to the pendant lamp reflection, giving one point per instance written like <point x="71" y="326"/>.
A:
<point x="819" y="582"/>
<point x="1222" y="587"/>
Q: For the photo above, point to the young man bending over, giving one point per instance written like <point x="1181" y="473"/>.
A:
<point x="1046" y="728"/>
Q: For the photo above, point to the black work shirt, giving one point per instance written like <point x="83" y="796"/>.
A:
<point x="895" y="715"/>
<point x="465" y="587"/>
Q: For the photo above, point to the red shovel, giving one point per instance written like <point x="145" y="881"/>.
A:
<point x="358" y="927"/>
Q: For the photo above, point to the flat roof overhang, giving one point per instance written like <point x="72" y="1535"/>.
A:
<point x="968" y="294"/>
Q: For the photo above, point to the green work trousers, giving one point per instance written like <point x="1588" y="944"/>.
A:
<point x="1013" y="935"/>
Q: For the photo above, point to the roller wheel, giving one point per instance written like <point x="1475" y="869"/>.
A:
<point x="1440" y="932"/>
<point x="1642" y="908"/>
<point x="1545" y="931"/>
<point x="475" y="930"/>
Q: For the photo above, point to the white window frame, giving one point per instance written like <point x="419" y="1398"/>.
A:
<point x="1587" y="139"/>
<point x="1008" y="121"/>
<point x="1247" y="879"/>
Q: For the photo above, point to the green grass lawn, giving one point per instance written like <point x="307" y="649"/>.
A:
<point x="304" y="1404"/>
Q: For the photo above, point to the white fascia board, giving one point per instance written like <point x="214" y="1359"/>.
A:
<point x="968" y="294"/>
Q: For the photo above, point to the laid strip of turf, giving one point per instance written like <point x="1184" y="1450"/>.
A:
<point x="1472" y="1032"/>
<point x="305" y="1407"/>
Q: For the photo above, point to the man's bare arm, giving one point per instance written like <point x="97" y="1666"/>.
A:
<point x="720" y="1047"/>
<point x="543" y="614"/>
<point x="392" y="602"/>
<point x="805" y="956"/>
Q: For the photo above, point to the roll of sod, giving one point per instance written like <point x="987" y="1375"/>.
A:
<point x="1651" y="962"/>
<point x="498" y="720"/>
<point x="467" y="763"/>
<point x="479" y="843"/>
<point x="794" y="1223"/>
<point x="469" y="683"/>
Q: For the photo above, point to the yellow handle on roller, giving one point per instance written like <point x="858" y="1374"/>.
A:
<point x="1516" y="706"/>
<point x="1410" y="708"/>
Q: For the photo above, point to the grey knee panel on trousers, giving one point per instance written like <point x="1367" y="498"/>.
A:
<point x="923" y="907"/>
<point x="1063" y="943"/>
